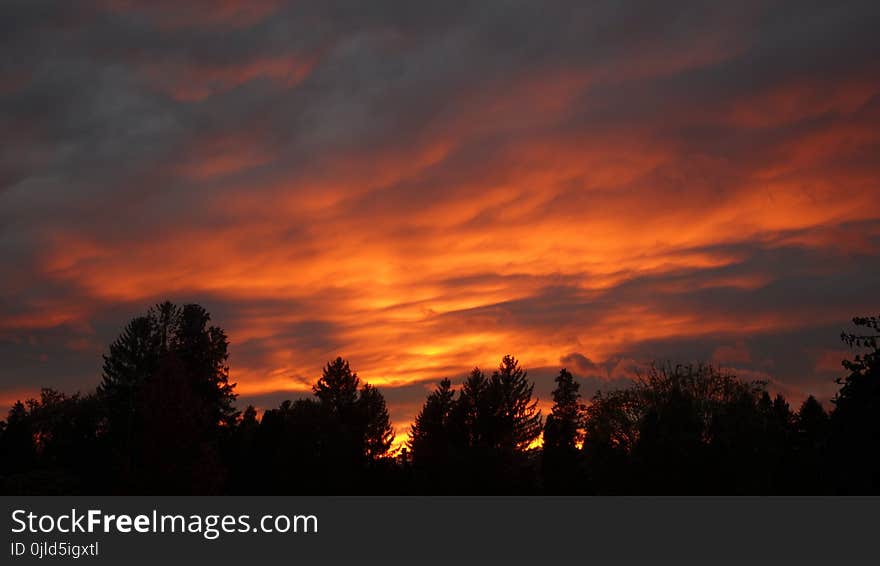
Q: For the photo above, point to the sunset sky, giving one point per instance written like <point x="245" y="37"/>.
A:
<point x="425" y="187"/>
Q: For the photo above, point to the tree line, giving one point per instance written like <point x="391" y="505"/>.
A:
<point x="163" y="420"/>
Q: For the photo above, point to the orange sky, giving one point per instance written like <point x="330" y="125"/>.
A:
<point x="423" y="192"/>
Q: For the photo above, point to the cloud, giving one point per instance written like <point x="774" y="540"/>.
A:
<point x="579" y="364"/>
<point x="736" y="353"/>
<point x="174" y="15"/>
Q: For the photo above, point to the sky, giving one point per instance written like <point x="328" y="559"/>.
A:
<point x="425" y="187"/>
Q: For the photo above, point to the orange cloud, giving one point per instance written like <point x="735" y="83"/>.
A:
<point x="791" y="102"/>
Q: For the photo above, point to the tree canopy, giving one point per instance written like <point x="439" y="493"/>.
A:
<point x="163" y="420"/>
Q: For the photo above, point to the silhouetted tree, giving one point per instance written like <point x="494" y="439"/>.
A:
<point x="337" y="389"/>
<point x="471" y="418"/>
<point x="561" y="460"/>
<point x="133" y="358"/>
<point x="169" y="362"/>
<point x="336" y="442"/>
<point x="342" y="432"/>
<point x="431" y="440"/>
<point x="809" y="447"/>
<point x="53" y="445"/>
<point x="492" y="425"/>
<point x="203" y="351"/>
<point x="855" y="423"/>
<point x="377" y="431"/>
<point x="611" y="430"/>
<point x="239" y="452"/>
<point x="359" y="416"/>
<point x="517" y="418"/>
<point x="778" y="445"/>
<point x="17" y="453"/>
<point x="682" y="429"/>
<point x="478" y="443"/>
<point x="812" y="422"/>
<point x="671" y="432"/>
<point x="291" y="447"/>
<point x="163" y="421"/>
<point x="180" y="443"/>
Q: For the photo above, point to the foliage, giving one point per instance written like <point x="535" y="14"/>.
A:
<point x="855" y="422"/>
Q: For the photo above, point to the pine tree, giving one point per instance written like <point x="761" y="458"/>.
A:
<point x="337" y="389"/>
<point x="471" y="416"/>
<point x="377" y="432"/>
<point x="204" y="353"/>
<point x="517" y="419"/>
<point x="132" y="361"/>
<point x="429" y="437"/>
<point x="133" y="358"/>
<point x="562" y="431"/>
<point x="193" y="358"/>
<point x="358" y="423"/>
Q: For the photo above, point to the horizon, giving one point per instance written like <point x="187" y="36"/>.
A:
<point x="544" y="377"/>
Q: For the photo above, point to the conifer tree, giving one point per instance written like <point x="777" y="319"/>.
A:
<point x="377" y="432"/>
<point x="517" y="419"/>
<point x="562" y="433"/>
<point x="429" y="437"/>
<point x="337" y="389"/>
<point x="562" y="430"/>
